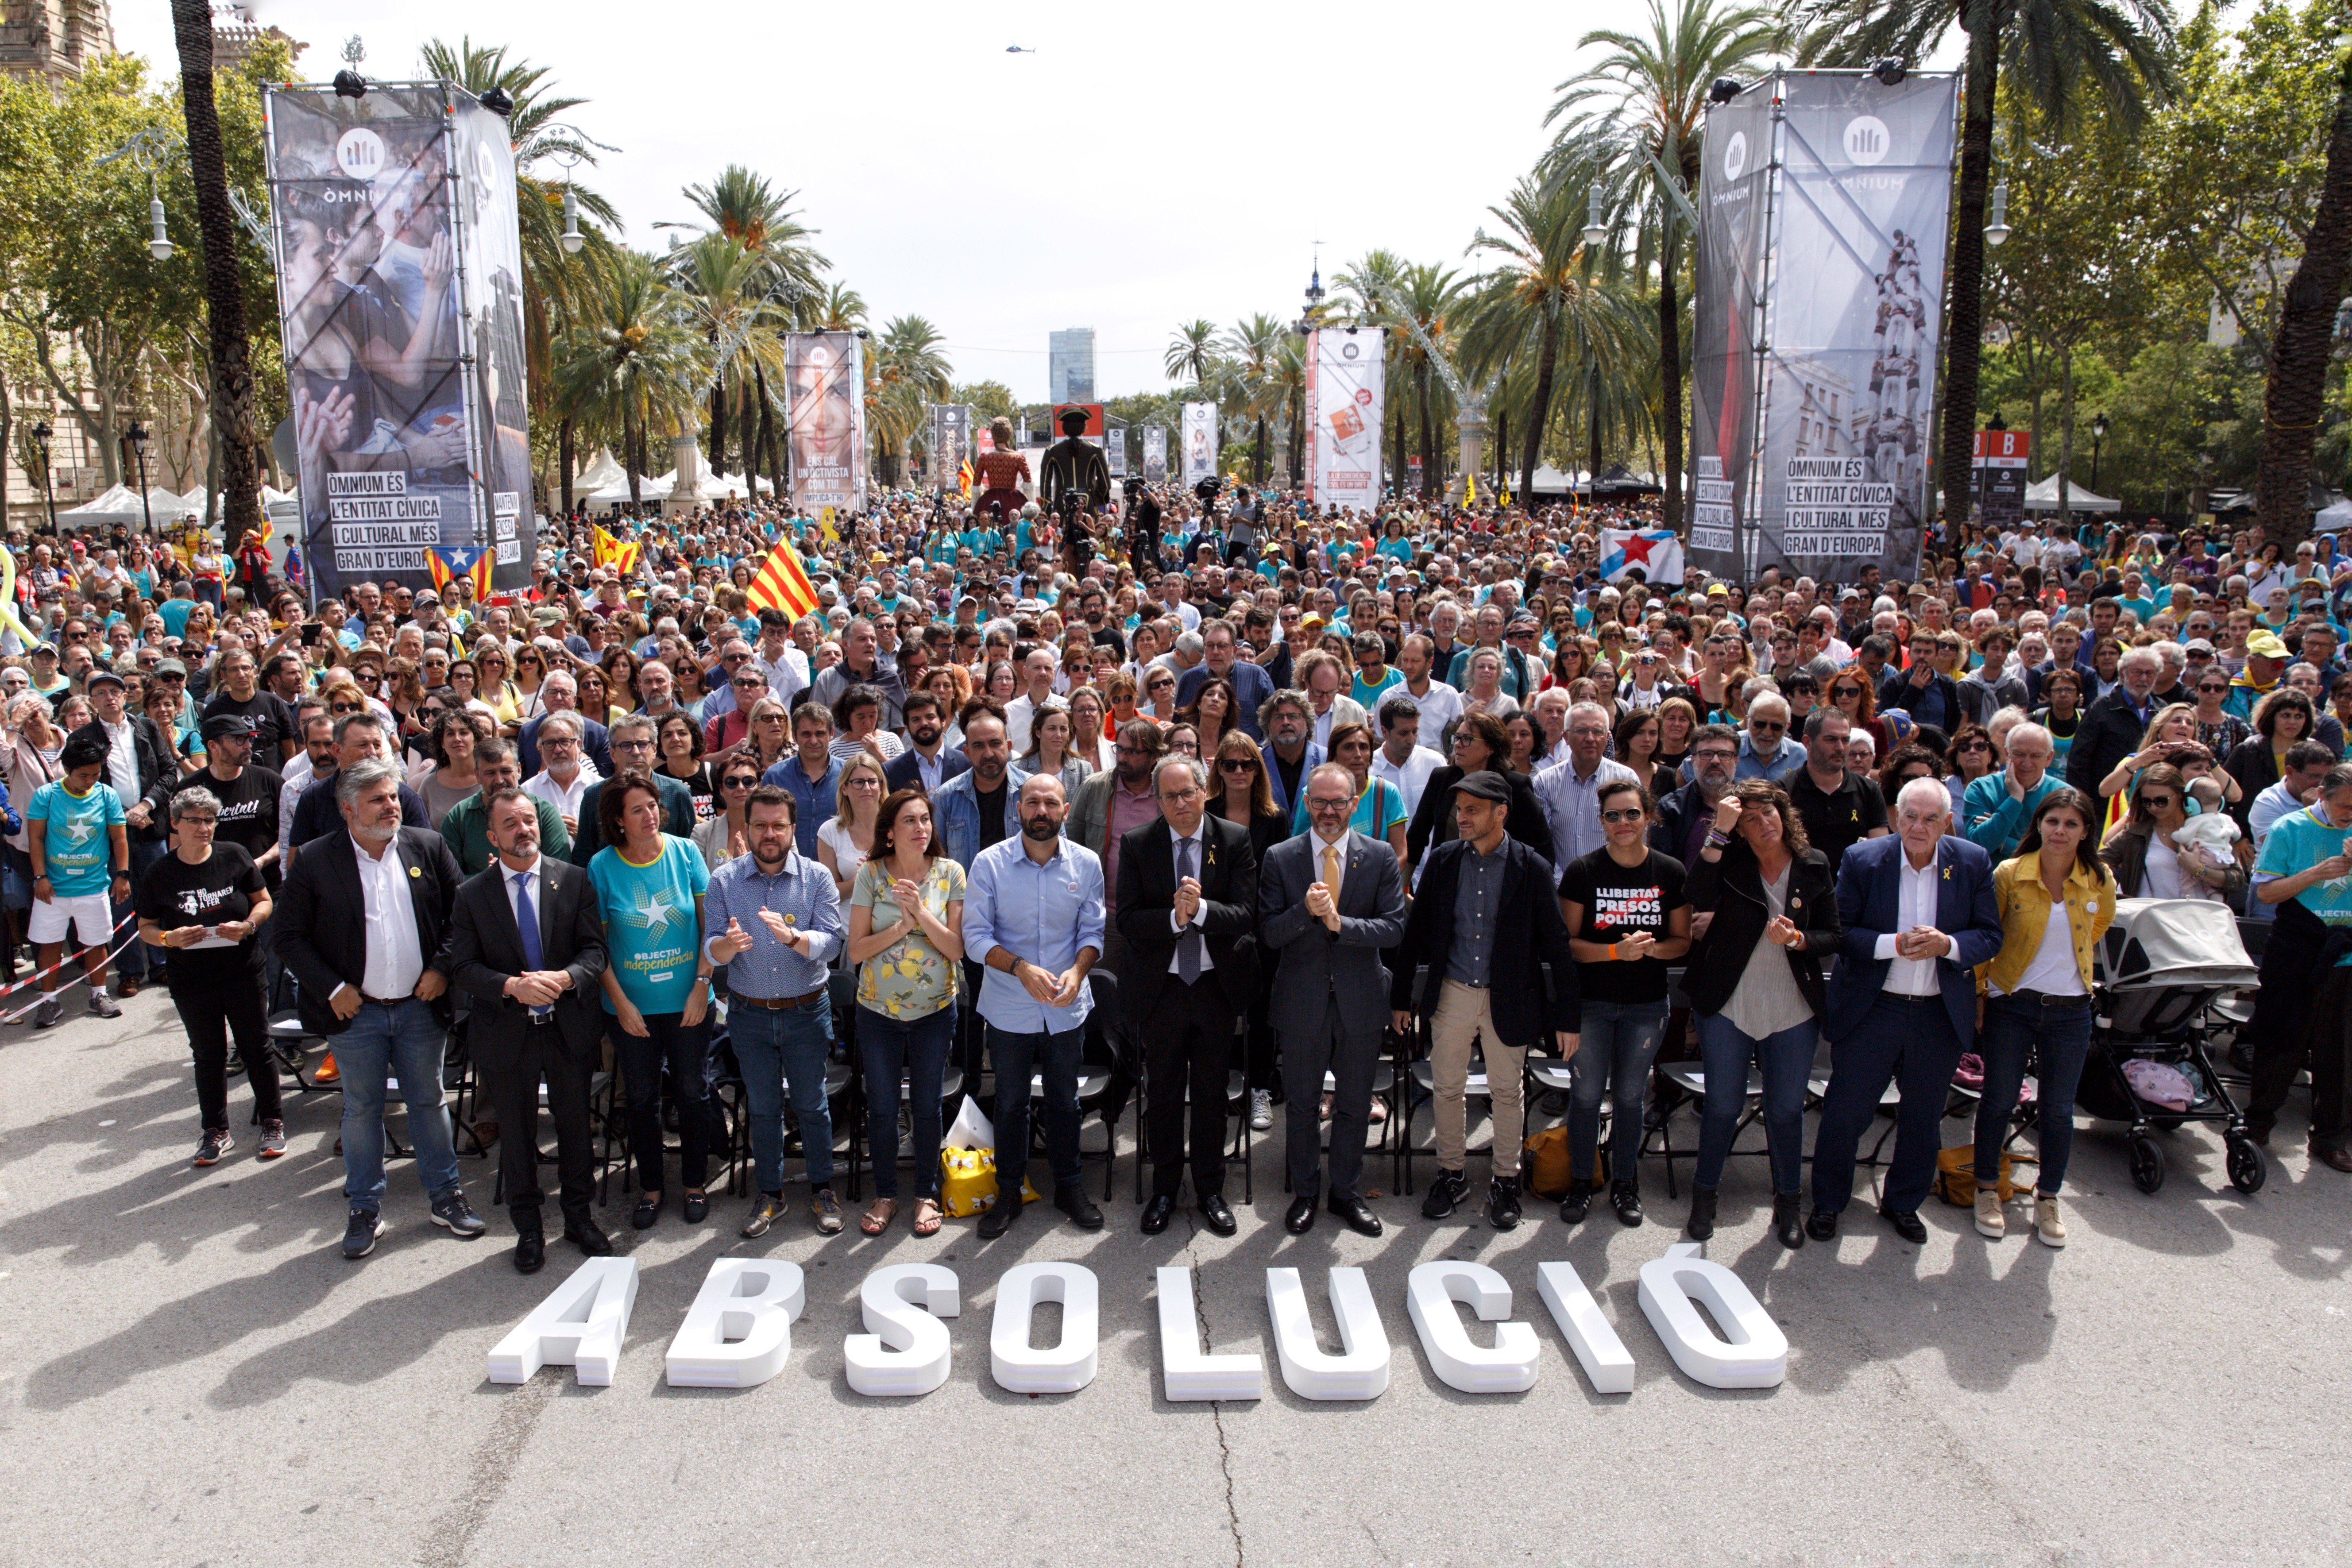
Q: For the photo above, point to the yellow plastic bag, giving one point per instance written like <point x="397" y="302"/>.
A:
<point x="968" y="1182"/>
<point x="1956" y="1175"/>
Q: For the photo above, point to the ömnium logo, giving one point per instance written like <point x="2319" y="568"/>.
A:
<point x="1867" y="139"/>
<point x="1735" y="155"/>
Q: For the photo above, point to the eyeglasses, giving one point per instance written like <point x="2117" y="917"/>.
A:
<point x="1235" y="766"/>
<point x="1326" y="807"/>
<point x="1630" y="814"/>
<point x="1773" y="725"/>
<point x="632" y="745"/>
<point x="557" y="743"/>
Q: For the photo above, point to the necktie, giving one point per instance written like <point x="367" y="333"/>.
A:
<point x="527" y="925"/>
<point x="1331" y="868"/>
<point x="1188" y="941"/>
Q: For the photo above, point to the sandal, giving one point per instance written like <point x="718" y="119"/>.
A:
<point x="927" y="1218"/>
<point x="877" y="1219"/>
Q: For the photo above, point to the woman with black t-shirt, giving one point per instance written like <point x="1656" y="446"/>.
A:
<point x="202" y="905"/>
<point x="1627" y="920"/>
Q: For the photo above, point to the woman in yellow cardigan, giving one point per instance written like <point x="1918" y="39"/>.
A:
<point x="2037" y="1006"/>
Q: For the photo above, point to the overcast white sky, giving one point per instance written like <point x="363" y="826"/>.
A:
<point x="1145" y="166"/>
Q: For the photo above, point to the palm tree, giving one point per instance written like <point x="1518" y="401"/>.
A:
<point x="2292" y="404"/>
<point x="1393" y="291"/>
<point x="2116" y="50"/>
<point x="1546" y="303"/>
<point x="636" y="364"/>
<point x="718" y="285"/>
<point x="1645" y="99"/>
<point x="227" y="347"/>
<point x="1288" y="376"/>
<point x="1191" y="354"/>
<point x="840" y="308"/>
<point x="906" y="372"/>
<point x="1251" y="388"/>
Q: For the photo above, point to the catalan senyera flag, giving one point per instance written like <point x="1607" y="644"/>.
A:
<point x="963" y="478"/>
<point x="782" y="583"/>
<point x="612" y="551"/>
<point x="452" y="563"/>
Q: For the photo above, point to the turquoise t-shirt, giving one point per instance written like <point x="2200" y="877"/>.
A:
<point x="651" y="930"/>
<point x="176" y="613"/>
<point x="78" y="847"/>
<point x="1369" y="696"/>
<point x="2297" y="843"/>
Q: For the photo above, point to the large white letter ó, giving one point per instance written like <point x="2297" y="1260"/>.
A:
<point x="1068" y="1367"/>
<point x="1431" y="1290"/>
<point x="1603" y="1354"/>
<point x="905" y="1349"/>
<point x="1186" y="1371"/>
<point x="738" y="1331"/>
<point x="1756" y="1356"/>
<point x="1363" y="1371"/>
<point x="580" y="1325"/>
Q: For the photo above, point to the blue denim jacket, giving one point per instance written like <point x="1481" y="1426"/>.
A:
<point x="955" y="814"/>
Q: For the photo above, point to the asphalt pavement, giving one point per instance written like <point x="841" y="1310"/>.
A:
<point x="190" y="1373"/>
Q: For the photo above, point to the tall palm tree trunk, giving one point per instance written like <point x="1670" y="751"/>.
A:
<point x="563" y="462"/>
<point x="1541" y="409"/>
<point x="1964" y="330"/>
<point x="1428" y="451"/>
<point x="1400" y="448"/>
<point x="230" y="350"/>
<point x="1258" y="455"/>
<point x="768" y="446"/>
<point x="633" y="457"/>
<point x="2307" y="330"/>
<point x="1670" y="366"/>
<point x="717" y="425"/>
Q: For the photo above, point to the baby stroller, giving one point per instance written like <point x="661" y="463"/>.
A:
<point x="2162" y="968"/>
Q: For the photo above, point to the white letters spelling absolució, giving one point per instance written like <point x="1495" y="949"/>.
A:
<point x="1757" y="1353"/>
<point x="580" y="1325"/>
<point x="1066" y="1368"/>
<point x="1362" y="1373"/>
<point x="1188" y="1372"/>
<point x="738" y="1331"/>
<point x="1430" y="1293"/>
<point x="1598" y="1351"/>
<point x="905" y="1349"/>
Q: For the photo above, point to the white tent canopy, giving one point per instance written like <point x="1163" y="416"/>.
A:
<point x="1550" y="480"/>
<point x="2043" y="497"/>
<point x="602" y="473"/>
<point x="121" y="504"/>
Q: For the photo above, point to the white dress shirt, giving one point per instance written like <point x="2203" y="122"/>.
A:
<point x="394" y="963"/>
<point x="1440" y="706"/>
<point x="1198" y="839"/>
<point x="1410" y="776"/>
<point x="506" y="874"/>
<point x="565" y="797"/>
<point x="1915" y="906"/>
<point x="122" y="761"/>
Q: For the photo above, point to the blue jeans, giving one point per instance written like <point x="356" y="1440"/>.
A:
<point x="782" y="1050"/>
<point x="1015" y="1056"/>
<point x="689" y="1053"/>
<point x="918" y="1049"/>
<point x="2016" y="1031"/>
<point x="1786" y="1057"/>
<point x="1620" y="1042"/>
<point x="398" y="1040"/>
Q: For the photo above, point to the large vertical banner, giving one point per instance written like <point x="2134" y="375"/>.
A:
<point x="951" y="441"/>
<point x="1343" y="415"/>
<point x="1999" y="476"/>
<point x="400" y="308"/>
<point x="824" y="417"/>
<point x="1155" y="454"/>
<point x="1733" y="210"/>
<point x="1200" y="442"/>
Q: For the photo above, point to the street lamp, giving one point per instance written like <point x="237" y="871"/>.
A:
<point x="1996" y="228"/>
<point x="573" y="238"/>
<point x="159" y="244"/>
<point x="137" y="436"/>
<point x="1595" y="229"/>
<point x="2098" y="435"/>
<point x="40" y="434"/>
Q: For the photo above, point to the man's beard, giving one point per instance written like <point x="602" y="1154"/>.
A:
<point x="925" y="738"/>
<point x="1040" y="829"/>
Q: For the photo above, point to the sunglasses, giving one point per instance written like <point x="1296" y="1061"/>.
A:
<point x="1976" y="746"/>
<point x="2157" y="802"/>
<point x="1236" y="765"/>
<point x="1765" y="724"/>
<point x="1631" y="814"/>
<point x="345" y="707"/>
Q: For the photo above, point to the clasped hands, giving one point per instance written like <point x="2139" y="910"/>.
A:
<point x="1921" y="942"/>
<point x="1323" y="906"/>
<point x="1046" y="987"/>
<point x="1188" y="901"/>
<point x="539" y="987"/>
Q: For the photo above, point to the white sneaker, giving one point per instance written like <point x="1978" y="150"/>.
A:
<point x="1990" y="1222"/>
<point x="2046" y="1222"/>
<point x="1260" y="1110"/>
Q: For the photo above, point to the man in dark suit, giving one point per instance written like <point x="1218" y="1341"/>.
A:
<point x="559" y="691"/>
<point x="360" y="924"/>
<point x="141" y="768"/>
<point x="1489" y="920"/>
<point x="925" y="764"/>
<point x="1329" y="986"/>
<point x="2111" y="727"/>
<point x="1187" y="903"/>
<point x="527" y="945"/>
<point x="1918" y="915"/>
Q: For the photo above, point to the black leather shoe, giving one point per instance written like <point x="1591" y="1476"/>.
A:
<point x="1904" y="1223"/>
<point x="647" y="1211"/>
<point x="1785" y="1222"/>
<point x="1701" y="1224"/>
<point x="1073" y="1200"/>
<point x="1301" y="1217"/>
<point x="698" y="1205"/>
<point x="1821" y="1223"/>
<point x="1356" y="1212"/>
<point x="531" y="1252"/>
<point x="1155" y="1215"/>
<point x="591" y="1240"/>
<point x="999" y="1215"/>
<point x="1219" y="1214"/>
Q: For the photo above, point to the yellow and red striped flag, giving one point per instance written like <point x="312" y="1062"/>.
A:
<point x="611" y="551"/>
<point x="782" y="583"/>
<point x="963" y="478"/>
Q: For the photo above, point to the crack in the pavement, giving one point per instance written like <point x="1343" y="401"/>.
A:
<point x="1216" y="1407"/>
<point x="492" y="1467"/>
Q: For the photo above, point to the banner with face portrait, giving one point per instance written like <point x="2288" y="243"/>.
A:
<point x="824" y="418"/>
<point x="400" y="307"/>
<point x="1200" y="442"/>
<point x="1733" y="200"/>
<point x="1343" y="415"/>
<point x="1155" y="454"/>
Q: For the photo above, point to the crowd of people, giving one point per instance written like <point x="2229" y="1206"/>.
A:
<point x="1205" y="784"/>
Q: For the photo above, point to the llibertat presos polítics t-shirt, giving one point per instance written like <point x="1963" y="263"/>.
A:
<point x="1618" y="902"/>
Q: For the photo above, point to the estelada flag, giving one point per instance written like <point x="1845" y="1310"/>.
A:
<point x="782" y="583"/>
<point x="449" y="563"/>
<point x="611" y="551"/>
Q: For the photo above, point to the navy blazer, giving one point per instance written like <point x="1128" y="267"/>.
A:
<point x="1870" y="891"/>
<point x="904" y="770"/>
<point x="1283" y="800"/>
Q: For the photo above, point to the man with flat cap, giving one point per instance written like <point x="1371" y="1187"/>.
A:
<point x="247" y="792"/>
<point x="1486" y="917"/>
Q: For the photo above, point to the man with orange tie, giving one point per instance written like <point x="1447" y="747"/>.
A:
<point x="1329" y="900"/>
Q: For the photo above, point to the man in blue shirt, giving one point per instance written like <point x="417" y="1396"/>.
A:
<point x="810" y="775"/>
<point x="1032" y="917"/>
<point x="773" y="919"/>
